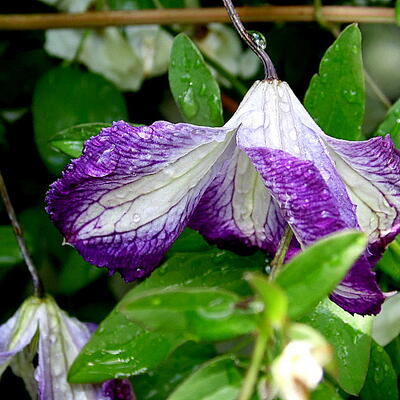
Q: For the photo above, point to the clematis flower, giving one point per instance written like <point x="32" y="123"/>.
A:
<point x="39" y="326"/>
<point x="129" y="196"/>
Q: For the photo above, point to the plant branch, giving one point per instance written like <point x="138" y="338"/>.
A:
<point x="37" y="284"/>
<point x="280" y="255"/>
<point x="98" y="19"/>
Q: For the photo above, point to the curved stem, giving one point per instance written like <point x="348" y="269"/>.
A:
<point x="37" y="283"/>
<point x="280" y="255"/>
<point x="269" y="68"/>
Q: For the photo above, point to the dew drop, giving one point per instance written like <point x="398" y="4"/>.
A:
<point x="136" y="218"/>
<point x="259" y="39"/>
<point x="189" y="105"/>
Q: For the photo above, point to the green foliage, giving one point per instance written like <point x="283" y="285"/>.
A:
<point x="335" y="97"/>
<point x="391" y="124"/>
<point x="350" y="337"/>
<point x="70" y="141"/>
<point x="325" y="391"/>
<point x="381" y="378"/>
<point x="195" y="90"/>
<point x="218" y="379"/>
<point x="65" y="97"/>
<point x="315" y="272"/>
<point x="9" y="250"/>
<point x="122" y="348"/>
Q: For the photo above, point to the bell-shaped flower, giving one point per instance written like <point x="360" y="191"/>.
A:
<point x="129" y="196"/>
<point x="40" y="327"/>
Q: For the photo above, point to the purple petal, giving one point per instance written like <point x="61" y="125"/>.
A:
<point x="129" y="196"/>
<point x="309" y="206"/>
<point x="237" y="210"/>
<point x="371" y="172"/>
<point x="118" y="389"/>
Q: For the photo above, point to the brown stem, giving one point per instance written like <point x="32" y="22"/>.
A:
<point x="96" y="19"/>
<point x="37" y="284"/>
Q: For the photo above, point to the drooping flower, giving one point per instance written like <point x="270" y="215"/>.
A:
<point x="40" y="327"/>
<point x="134" y="189"/>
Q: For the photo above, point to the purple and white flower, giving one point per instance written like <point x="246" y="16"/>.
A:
<point x="40" y="327"/>
<point x="129" y="196"/>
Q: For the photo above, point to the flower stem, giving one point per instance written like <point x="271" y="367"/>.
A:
<point x="37" y="283"/>
<point x="269" y="68"/>
<point x="250" y="379"/>
<point x="280" y="255"/>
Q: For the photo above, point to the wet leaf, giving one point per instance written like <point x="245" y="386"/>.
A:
<point x="314" y="273"/>
<point x="336" y="95"/>
<point x="195" y="90"/>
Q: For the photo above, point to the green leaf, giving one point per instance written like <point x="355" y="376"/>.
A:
<point x="189" y="241"/>
<point x="70" y="141"/>
<point x="391" y="124"/>
<point x="195" y="90"/>
<point x="314" y="273"/>
<point x="350" y="337"/>
<point x="65" y="97"/>
<point x="390" y="262"/>
<point x="184" y="361"/>
<point x="325" y="391"/>
<point x="76" y="273"/>
<point x="393" y="350"/>
<point x="387" y="323"/>
<point x="381" y="381"/>
<point x="194" y="313"/>
<point x="122" y="348"/>
<point x="216" y="380"/>
<point x="273" y="297"/>
<point x="9" y="250"/>
<point x="398" y="12"/>
<point x="336" y="96"/>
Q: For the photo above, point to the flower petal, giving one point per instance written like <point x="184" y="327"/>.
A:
<point x="18" y="331"/>
<point x="118" y="389"/>
<point x="371" y="172"/>
<point x="236" y="209"/>
<point x="312" y="211"/>
<point x="129" y="196"/>
<point x="60" y="341"/>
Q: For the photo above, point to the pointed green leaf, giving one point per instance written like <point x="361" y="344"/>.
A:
<point x="195" y="90"/>
<point x="216" y="380"/>
<point x="121" y="348"/>
<point x="336" y="95"/>
<point x="381" y="378"/>
<point x="391" y="124"/>
<point x="350" y="337"/>
<point x="70" y="141"/>
<point x="194" y="313"/>
<point x="314" y="273"/>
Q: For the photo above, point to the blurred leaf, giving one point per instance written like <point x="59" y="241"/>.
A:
<point x="130" y="4"/>
<point x="314" y="273"/>
<point x="76" y="273"/>
<point x="387" y="323"/>
<point x="390" y="262"/>
<point x="70" y="141"/>
<point x="381" y="381"/>
<point x="398" y="12"/>
<point x="325" y="391"/>
<point x="194" y="313"/>
<point x="195" y="90"/>
<point x="216" y="380"/>
<point x="391" y="124"/>
<point x="3" y="140"/>
<point x="121" y="348"/>
<point x="65" y="97"/>
<point x="189" y="241"/>
<point x="9" y="250"/>
<point x="350" y="337"/>
<point x="273" y="297"/>
<point x="185" y="360"/>
<point x="336" y="96"/>
<point x="393" y="350"/>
